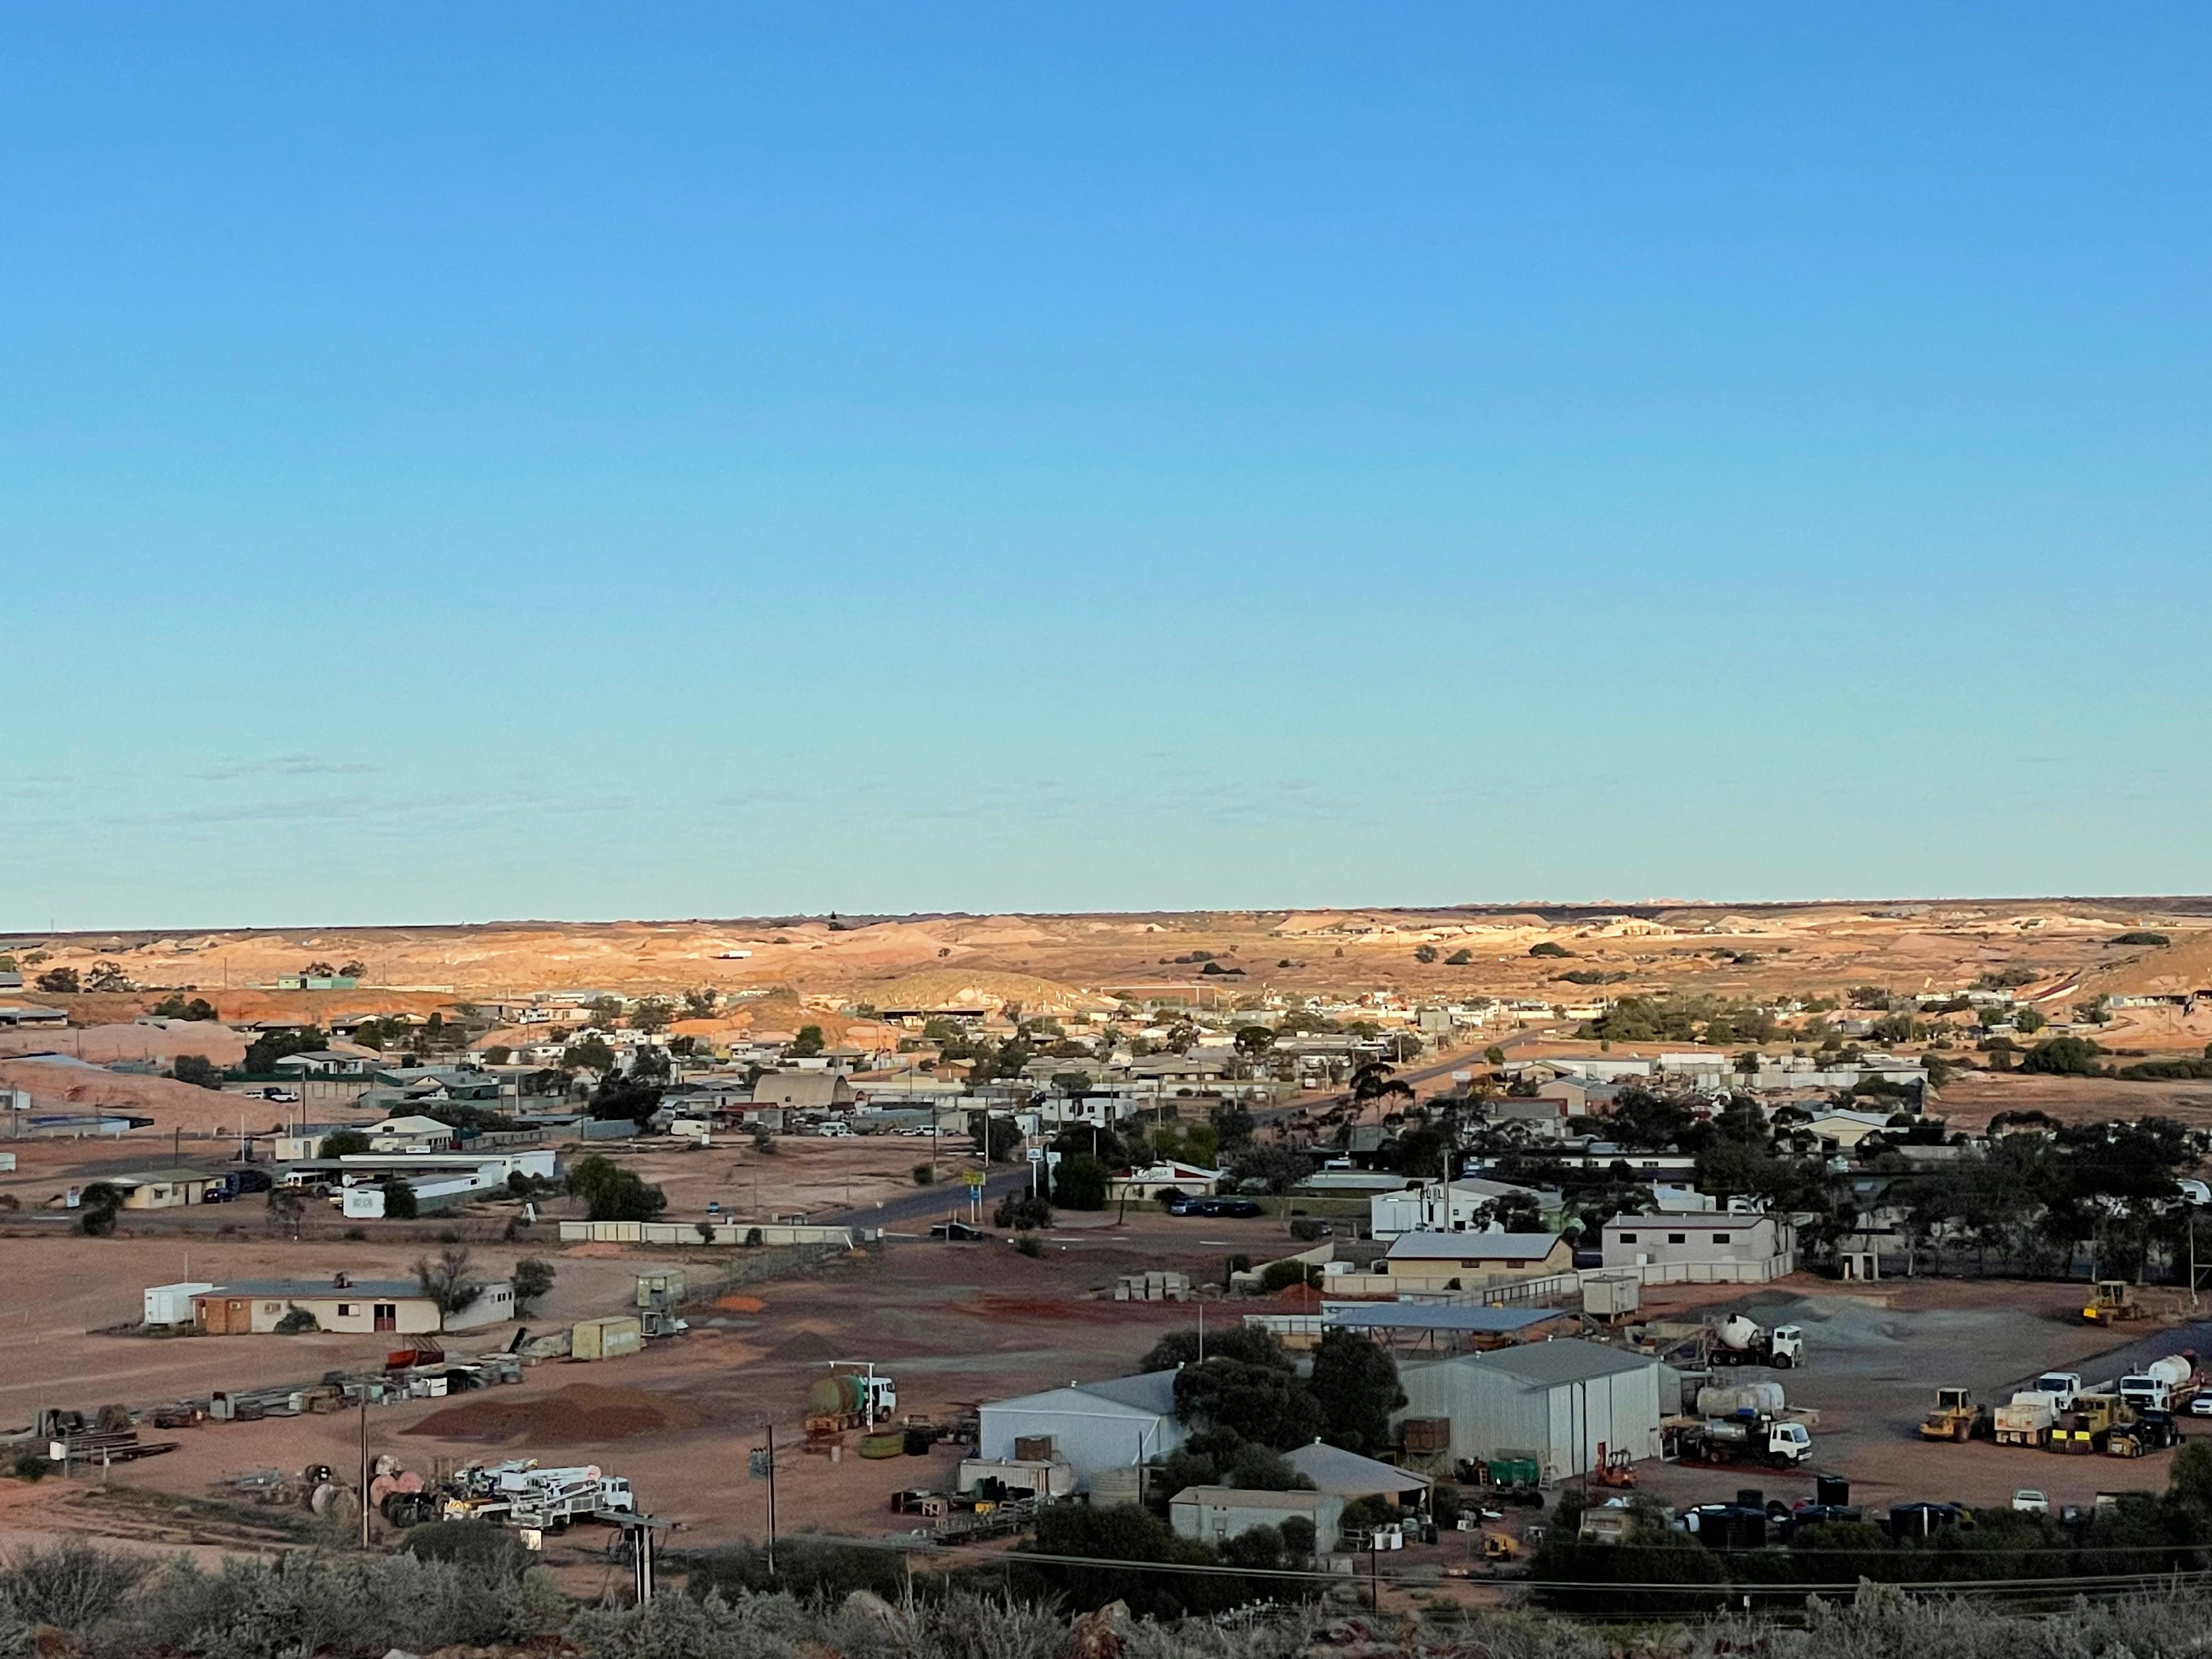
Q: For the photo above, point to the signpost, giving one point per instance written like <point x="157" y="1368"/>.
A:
<point x="974" y="1178"/>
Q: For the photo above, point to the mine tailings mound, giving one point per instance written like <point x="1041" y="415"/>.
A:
<point x="581" y="1413"/>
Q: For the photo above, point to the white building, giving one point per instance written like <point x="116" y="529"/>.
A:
<point x="1121" y="1424"/>
<point x="1730" y="1248"/>
<point x="1562" y="1401"/>
<point x="1435" y="1207"/>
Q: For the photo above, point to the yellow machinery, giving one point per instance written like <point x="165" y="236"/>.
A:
<point x="1955" y="1418"/>
<point x="1500" y="1547"/>
<point x="2112" y="1301"/>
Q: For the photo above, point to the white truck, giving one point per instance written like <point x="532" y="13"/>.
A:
<point x="1747" y="1440"/>
<point x="1738" y="1340"/>
<point x="2161" y="1385"/>
<point x="2026" y="1420"/>
<point x="2059" y="1388"/>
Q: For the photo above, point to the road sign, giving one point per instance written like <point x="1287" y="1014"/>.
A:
<point x="1037" y="1154"/>
<point x="974" y="1178"/>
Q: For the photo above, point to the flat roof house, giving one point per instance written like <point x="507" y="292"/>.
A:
<point x="159" y="1189"/>
<point x="1213" y="1514"/>
<point x="341" y="1303"/>
<point x="1468" y="1261"/>
<point x="1710" y="1249"/>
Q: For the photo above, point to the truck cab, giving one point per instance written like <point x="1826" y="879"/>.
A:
<point x="1788" y="1444"/>
<point x="2061" y="1386"/>
<point x="1786" y="1346"/>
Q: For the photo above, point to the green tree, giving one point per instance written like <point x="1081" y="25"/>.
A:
<point x="59" y="981"/>
<point x="613" y="1193"/>
<point x="197" y="1070"/>
<point x="591" y="1054"/>
<point x="1424" y="953"/>
<point x="652" y="1015"/>
<point x="498" y="1055"/>
<point x="1258" y="1403"/>
<point x="345" y="1143"/>
<point x="399" y="1200"/>
<point x="532" y="1279"/>
<point x="1356" y="1384"/>
<point x="1254" y="1041"/>
<point x="1079" y="1182"/>
<point x="808" y="1044"/>
<point x="1459" y="958"/>
<point x="97" y="1208"/>
<point x="451" y="1281"/>
<point x="2063" y="1056"/>
<point x="1547" y="948"/>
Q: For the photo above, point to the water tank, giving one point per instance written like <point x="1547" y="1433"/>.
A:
<point x="839" y="1393"/>
<point x="1759" y="1399"/>
<point x="1118" y="1485"/>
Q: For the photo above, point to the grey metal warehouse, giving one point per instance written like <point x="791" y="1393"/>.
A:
<point x="1560" y="1400"/>
<point x="1120" y="1424"/>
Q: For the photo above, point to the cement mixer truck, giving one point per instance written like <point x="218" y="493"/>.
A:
<point x="853" y="1398"/>
<point x="1739" y="1341"/>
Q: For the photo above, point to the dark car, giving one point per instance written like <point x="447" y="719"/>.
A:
<point x="1229" y="1206"/>
<point x="958" y="1232"/>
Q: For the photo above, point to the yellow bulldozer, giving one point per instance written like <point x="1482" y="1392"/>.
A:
<point x="2112" y="1301"/>
<point x="1955" y="1417"/>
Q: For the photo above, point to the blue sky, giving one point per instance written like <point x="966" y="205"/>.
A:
<point x="467" y="462"/>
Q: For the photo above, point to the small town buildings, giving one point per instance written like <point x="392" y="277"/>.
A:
<point x="805" y="1091"/>
<point x="341" y="1302"/>
<point x="1580" y="1097"/>
<point x="1122" y="1423"/>
<point x="1437" y="1207"/>
<point x="25" y="1016"/>
<point x="160" y="1189"/>
<point x="1471" y="1262"/>
<point x="171" y="1304"/>
<point x="1717" y="1248"/>
<point x="409" y="1135"/>
<point x="1560" y="1400"/>
<point x="1212" y="1514"/>
<point x="1168" y="1175"/>
<point x="1348" y="1475"/>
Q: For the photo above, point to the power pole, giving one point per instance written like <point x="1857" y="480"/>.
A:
<point x="364" y="1465"/>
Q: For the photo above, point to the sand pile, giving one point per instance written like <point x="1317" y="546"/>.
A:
<point x="582" y="1413"/>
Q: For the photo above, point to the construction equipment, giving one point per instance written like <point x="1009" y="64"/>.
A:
<point x="2112" y="1301"/>
<point x="2161" y="1385"/>
<point x="1745" y="1439"/>
<point x="1955" y="1417"/>
<point x="1500" y="1547"/>
<point x="2026" y="1419"/>
<point x="1738" y="1340"/>
<point x="854" y="1398"/>
<point x="1612" y="1467"/>
<point x="2142" y="1434"/>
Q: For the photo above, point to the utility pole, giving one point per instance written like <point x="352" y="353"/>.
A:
<point x="364" y="1465"/>
<point x="771" y="1502"/>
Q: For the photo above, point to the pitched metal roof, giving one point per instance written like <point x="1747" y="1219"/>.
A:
<point x="1347" y="1474"/>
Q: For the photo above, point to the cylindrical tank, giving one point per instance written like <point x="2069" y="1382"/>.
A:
<point x="2172" y="1370"/>
<point x="839" y="1393"/>
<point x="883" y="1445"/>
<point x="1759" y="1399"/>
<point x="1737" y="1332"/>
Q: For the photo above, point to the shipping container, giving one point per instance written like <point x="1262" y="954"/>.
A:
<point x="606" y="1339"/>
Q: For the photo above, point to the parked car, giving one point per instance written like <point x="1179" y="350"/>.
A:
<point x="1185" y="1204"/>
<point x="958" y="1232"/>
<point x="2028" y="1501"/>
<point x="1229" y="1206"/>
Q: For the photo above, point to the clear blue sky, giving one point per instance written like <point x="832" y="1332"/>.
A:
<point x="479" y="461"/>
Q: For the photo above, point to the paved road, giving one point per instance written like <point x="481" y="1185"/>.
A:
<point x="916" y="1211"/>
